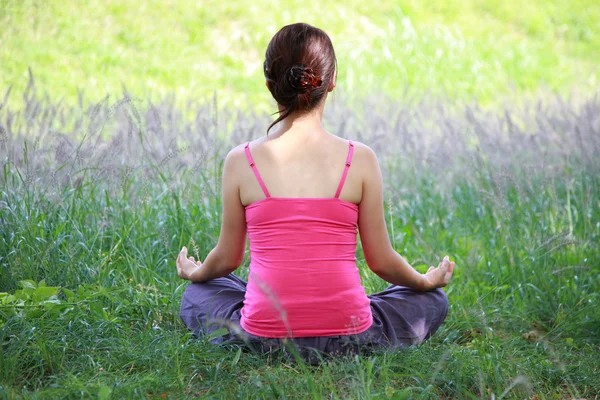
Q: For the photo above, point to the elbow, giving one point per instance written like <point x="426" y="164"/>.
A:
<point x="382" y="262"/>
<point x="234" y="264"/>
<point x="377" y="265"/>
<point x="380" y="257"/>
<point x="383" y="274"/>
<point x="229" y="260"/>
<point x="237" y="259"/>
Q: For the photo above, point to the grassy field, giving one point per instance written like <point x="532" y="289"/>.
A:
<point x="98" y="193"/>
<point x="96" y="203"/>
<point x="464" y="49"/>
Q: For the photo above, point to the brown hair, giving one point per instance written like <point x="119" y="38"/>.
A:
<point x="299" y="67"/>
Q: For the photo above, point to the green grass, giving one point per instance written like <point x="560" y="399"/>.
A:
<point x="97" y="196"/>
<point x="464" y="49"/>
<point x="100" y="213"/>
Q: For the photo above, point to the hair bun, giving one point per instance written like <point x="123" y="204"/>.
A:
<point x="299" y="69"/>
<point x="303" y="78"/>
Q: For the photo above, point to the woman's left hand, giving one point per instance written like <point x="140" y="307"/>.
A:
<point x="187" y="267"/>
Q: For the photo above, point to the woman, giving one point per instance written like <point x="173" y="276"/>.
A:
<point x="280" y="190"/>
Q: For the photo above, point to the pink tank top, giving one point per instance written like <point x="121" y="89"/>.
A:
<point x="303" y="277"/>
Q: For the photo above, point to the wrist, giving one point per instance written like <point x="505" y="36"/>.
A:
<point x="425" y="283"/>
<point x="195" y="275"/>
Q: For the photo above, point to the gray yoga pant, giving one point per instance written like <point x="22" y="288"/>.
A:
<point x="401" y="317"/>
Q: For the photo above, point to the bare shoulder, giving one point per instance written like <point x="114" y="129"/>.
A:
<point x="236" y="156"/>
<point x="363" y="150"/>
<point x="364" y="156"/>
<point x="235" y="161"/>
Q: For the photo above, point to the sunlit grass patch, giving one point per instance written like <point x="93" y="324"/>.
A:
<point x="469" y="49"/>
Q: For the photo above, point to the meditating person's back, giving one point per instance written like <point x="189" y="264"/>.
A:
<point x="303" y="278"/>
<point x="300" y="194"/>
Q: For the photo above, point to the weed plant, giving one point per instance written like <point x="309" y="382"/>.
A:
<point x="97" y="200"/>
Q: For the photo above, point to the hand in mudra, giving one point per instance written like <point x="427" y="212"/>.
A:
<point x="186" y="266"/>
<point x="440" y="276"/>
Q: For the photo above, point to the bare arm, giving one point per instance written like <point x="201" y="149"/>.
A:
<point x="229" y="252"/>
<point x="381" y="258"/>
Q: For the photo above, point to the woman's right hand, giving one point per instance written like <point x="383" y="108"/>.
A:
<point x="187" y="267"/>
<point x="440" y="276"/>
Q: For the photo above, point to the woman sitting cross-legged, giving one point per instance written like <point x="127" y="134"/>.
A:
<point x="301" y="195"/>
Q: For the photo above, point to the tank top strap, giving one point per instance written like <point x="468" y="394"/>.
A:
<point x="256" y="173"/>
<point x="348" y="162"/>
